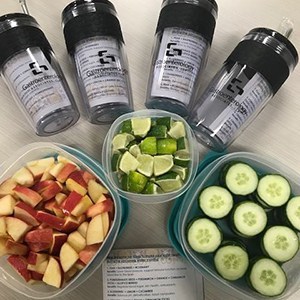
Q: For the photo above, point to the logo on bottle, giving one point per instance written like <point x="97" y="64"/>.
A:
<point x="105" y="59"/>
<point x="234" y="87"/>
<point x="171" y="51"/>
<point x="37" y="69"/>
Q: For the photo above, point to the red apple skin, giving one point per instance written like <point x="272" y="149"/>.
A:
<point x="19" y="263"/>
<point x="15" y="248"/>
<point x="36" y="276"/>
<point x="39" y="236"/>
<point x="26" y="213"/>
<point x="39" y="247"/>
<point x="87" y="176"/>
<point x="77" y="177"/>
<point x="51" y="220"/>
<point x="59" y="239"/>
<point x="28" y="195"/>
<point x="71" y="224"/>
<point x="88" y="253"/>
<point x="33" y="258"/>
<point x="70" y="203"/>
<point x="65" y="172"/>
<point x="51" y="191"/>
<point x="100" y="207"/>
<point x="49" y="205"/>
<point x="41" y="185"/>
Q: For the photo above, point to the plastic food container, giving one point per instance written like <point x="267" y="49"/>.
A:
<point x="143" y="198"/>
<point x="8" y="276"/>
<point x="186" y="208"/>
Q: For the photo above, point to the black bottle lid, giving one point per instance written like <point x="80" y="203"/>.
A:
<point x="83" y="19"/>
<point x="18" y="32"/>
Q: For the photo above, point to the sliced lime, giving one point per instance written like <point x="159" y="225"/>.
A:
<point x="181" y="158"/>
<point x="124" y="182"/>
<point x="146" y="164"/>
<point x="136" y="182"/>
<point x="162" y="164"/>
<point x="128" y="163"/>
<point x="159" y="131"/>
<point x="169" y="182"/>
<point x="166" y="146"/>
<point x="152" y="188"/>
<point x="135" y="150"/>
<point x="181" y="171"/>
<point x="126" y="126"/>
<point x="141" y="126"/>
<point x="121" y="140"/>
<point x="177" y="130"/>
<point x="148" y="145"/>
<point x="183" y="145"/>
<point x="115" y="160"/>
<point x="166" y="121"/>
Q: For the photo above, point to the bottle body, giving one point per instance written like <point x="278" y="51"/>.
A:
<point x="178" y="59"/>
<point x="102" y="76"/>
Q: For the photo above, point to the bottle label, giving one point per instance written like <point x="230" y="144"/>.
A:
<point x="181" y="54"/>
<point x="101" y="70"/>
<point x="235" y="95"/>
<point x="35" y="83"/>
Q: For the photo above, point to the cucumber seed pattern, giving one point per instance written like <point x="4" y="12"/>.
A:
<point x="242" y="178"/>
<point x="297" y="213"/>
<point x="216" y="202"/>
<point x="249" y="218"/>
<point x="203" y="236"/>
<point x="281" y="242"/>
<point x="274" y="190"/>
<point x="268" y="277"/>
<point x="232" y="261"/>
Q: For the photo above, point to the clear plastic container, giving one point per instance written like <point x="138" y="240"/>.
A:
<point x="181" y="216"/>
<point x="8" y="276"/>
<point x="142" y="198"/>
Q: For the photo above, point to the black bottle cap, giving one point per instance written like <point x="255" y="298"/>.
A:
<point x="19" y="32"/>
<point x="81" y="22"/>
<point x="190" y="16"/>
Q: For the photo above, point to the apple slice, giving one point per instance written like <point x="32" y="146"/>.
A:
<point x="16" y="228"/>
<point x="19" y="263"/>
<point x="65" y="160"/>
<point x="38" y="167"/>
<point x="34" y="258"/>
<point x="95" y="234"/>
<point x="39" y="268"/>
<point x="71" y="224"/>
<point x="87" y="176"/>
<point x="59" y="238"/>
<point x="48" y="205"/>
<point x="68" y="257"/>
<point x="99" y="208"/>
<point x="40" y="236"/>
<point x="56" y="169"/>
<point x="95" y="190"/>
<point x="70" y="274"/>
<point x="7" y="186"/>
<point x="105" y="222"/>
<point x="37" y="276"/>
<point x="3" y="232"/>
<point x="28" y="195"/>
<point x="51" y="220"/>
<point x="53" y="274"/>
<point x="72" y="185"/>
<point x="60" y="198"/>
<point x="7" y="204"/>
<point x="65" y="172"/>
<point x="15" y="248"/>
<point x="58" y="211"/>
<point x="84" y="204"/>
<point x="88" y="253"/>
<point x="71" y="202"/>
<point x="77" y="176"/>
<point x="26" y="213"/>
<point x="76" y="241"/>
<point x="41" y="185"/>
<point x="51" y="190"/>
<point x="23" y="177"/>
<point x="38" y="247"/>
<point x="80" y="265"/>
<point x="82" y="229"/>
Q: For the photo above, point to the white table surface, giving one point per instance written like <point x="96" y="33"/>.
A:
<point x="275" y="132"/>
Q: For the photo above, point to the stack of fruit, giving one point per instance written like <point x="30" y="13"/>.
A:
<point x="54" y="217"/>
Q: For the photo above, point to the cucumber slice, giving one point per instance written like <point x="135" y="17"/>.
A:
<point x="273" y="190"/>
<point x="215" y="201"/>
<point x="292" y="212"/>
<point x="239" y="178"/>
<point x="204" y="236"/>
<point x="231" y="261"/>
<point x="267" y="277"/>
<point x="280" y="243"/>
<point x="249" y="219"/>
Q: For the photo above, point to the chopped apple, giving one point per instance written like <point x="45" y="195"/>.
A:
<point x="65" y="172"/>
<point x="51" y="190"/>
<point x="102" y="198"/>
<point x="19" y="263"/>
<point x="71" y="202"/>
<point x="77" y="176"/>
<point x="65" y="160"/>
<point x="59" y="238"/>
<point x="7" y="204"/>
<point x="26" y="213"/>
<point x="3" y="232"/>
<point x="40" y="236"/>
<point x="36" y="258"/>
<point x="70" y="274"/>
<point x="81" y="219"/>
<point x="53" y="274"/>
<point x="82" y="229"/>
<point x="38" y="247"/>
<point x="60" y="197"/>
<point x="48" y="205"/>
<point x="38" y="167"/>
<point x="68" y="257"/>
<point x="96" y="190"/>
<point x="99" y="208"/>
<point x="105" y="222"/>
<point x="95" y="234"/>
<point x="7" y="186"/>
<point x="46" y="175"/>
<point x="37" y="276"/>
<point x="16" y="228"/>
<point x="58" y="211"/>
<point x="76" y="241"/>
<point x="87" y="176"/>
<point x="28" y="195"/>
<point x="15" y="248"/>
<point x="56" y="169"/>
<point x="80" y="264"/>
<point x="88" y="253"/>
<point x="84" y="204"/>
<point x="72" y="185"/>
<point x="71" y="224"/>
<point x="41" y="185"/>
<point x="39" y="268"/>
<point x="23" y="177"/>
<point x="51" y="220"/>
<point x="3" y="250"/>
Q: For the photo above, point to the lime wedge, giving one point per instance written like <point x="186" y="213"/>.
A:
<point x="136" y="182"/>
<point x="148" y="145"/>
<point x="135" y="150"/>
<point x="126" y="127"/>
<point x="121" y="140"/>
<point x="152" y="188"/>
<point x="141" y="126"/>
<point x="159" y="131"/>
<point x="177" y="130"/>
<point x="183" y="145"/>
<point x="182" y="159"/>
<point x="124" y="182"/>
<point x="128" y="163"/>
<point x="166" y="121"/>
<point x="166" y="146"/>
<point x="169" y="182"/>
<point x="181" y="171"/>
<point x="162" y="164"/>
<point x="145" y="164"/>
<point x="115" y="160"/>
